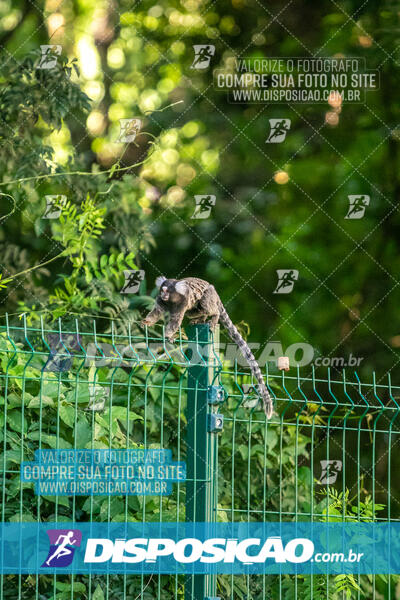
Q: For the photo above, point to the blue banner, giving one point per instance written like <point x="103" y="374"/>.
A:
<point x="200" y="548"/>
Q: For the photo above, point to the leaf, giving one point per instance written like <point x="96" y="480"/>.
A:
<point x="119" y="518"/>
<point x="272" y="439"/>
<point x="14" y="400"/>
<point x="62" y="500"/>
<point x="16" y="422"/>
<point x="36" y="402"/>
<point x="83" y="432"/>
<point x="82" y="392"/>
<point x="50" y="440"/>
<point x="244" y="451"/>
<point x="88" y="274"/>
<point x="67" y="414"/>
<point x="98" y="594"/>
<point x="304" y="475"/>
<point x="24" y="517"/>
<point x="14" y="456"/>
<point x="51" y="387"/>
<point x="77" y="586"/>
<point x="111" y="507"/>
<point x="4" y="282"/>
<point x="76" y="69"/>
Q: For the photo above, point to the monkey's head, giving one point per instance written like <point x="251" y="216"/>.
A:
<point x="171" y="290"/>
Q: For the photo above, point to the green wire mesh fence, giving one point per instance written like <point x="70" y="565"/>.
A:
<point x="328" y="454"/>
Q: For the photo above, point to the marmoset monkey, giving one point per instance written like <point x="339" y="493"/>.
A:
<point x="199" y="301"/>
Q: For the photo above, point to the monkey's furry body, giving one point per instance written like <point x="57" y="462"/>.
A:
<point x="199" y="301"/>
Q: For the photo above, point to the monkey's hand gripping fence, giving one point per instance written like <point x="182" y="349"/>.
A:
<point x="327" y="454"/>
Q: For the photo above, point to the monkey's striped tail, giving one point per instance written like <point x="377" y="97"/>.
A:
<point x="249" y="356"/>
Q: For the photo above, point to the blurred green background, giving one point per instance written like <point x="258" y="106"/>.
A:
<point x="134" y="60"/>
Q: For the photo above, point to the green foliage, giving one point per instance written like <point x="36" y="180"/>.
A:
<point x="339" y="507"/>
<point x="32" y="98"/>
<point x="39" y="97"/>
<point x="50" y="409"/>
<point x="56" y="414"/>
<point x="77" y="232"/>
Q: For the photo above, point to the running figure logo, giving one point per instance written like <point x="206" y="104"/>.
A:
<point x="63" y="543"/>
<point x="49" y="57"/>
<point x="279" y="129"/>
<point x="286" y="280"/>
<point x="251" y="397"/>
<point x="129" y="128"/>
<point x="204" y="204"/>
<point x="60" y="357"/>
<point x="330" y="471"/>
<point x="132" y="281"/>
<point x="202" y="56"/>
<point x="357" y="206"/>
<point x="54" y="206"/>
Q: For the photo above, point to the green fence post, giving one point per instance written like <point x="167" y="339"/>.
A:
<point x="201" y="451"/>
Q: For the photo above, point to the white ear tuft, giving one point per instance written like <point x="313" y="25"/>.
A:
<point x="181" y="287"/>
<point x="160" y="280"/>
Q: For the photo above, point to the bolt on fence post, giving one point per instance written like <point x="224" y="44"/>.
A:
<point x="201" y="458"/>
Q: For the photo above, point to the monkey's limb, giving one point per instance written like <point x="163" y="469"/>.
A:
<point x="174" y="324"/>
<point x="198" y="320"/>
<point x="214" y="322"/>
<point x="153" y="316"/>
<point x="207" y="309"/>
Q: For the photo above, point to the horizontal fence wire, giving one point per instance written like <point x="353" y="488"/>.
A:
<point x="328" y="453"/>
